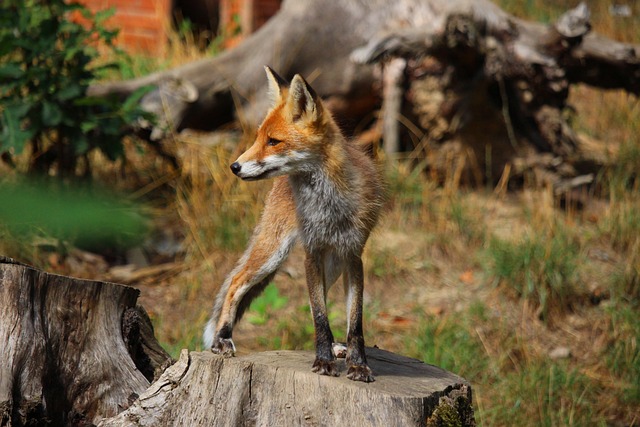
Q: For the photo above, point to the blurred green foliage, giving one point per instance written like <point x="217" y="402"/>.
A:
<point x="88" y="218"/>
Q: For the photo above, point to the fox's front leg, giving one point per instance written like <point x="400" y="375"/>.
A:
<point x="254" y="272"/>
<point x="325" y="359"/>
<point x="356" y="360"/>
<point x="270" y="244"/>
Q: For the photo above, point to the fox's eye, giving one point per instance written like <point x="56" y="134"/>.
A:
<point x="272" y="142"/>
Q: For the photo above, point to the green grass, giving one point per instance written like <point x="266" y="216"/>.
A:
<point x="621" y="225"/>
<point x="541" y="268"/>
<point x="625" y="282"/>
<point x="189" y="337"/>
<point x="623" y="357"/>
<point x="467" y="223"/>
<point x="295" y="331"/>
<point x="384" y="263"/>
<point x="545" y="11"/>
<point x="450" y="345"/>
<point x="230" y="228"/>
<point x="623" y="177"/>
<point x="532" y="391"/>
<point x="406" y="186"/>
<point x="265" y="305"/>
<point x="544" y="393"/>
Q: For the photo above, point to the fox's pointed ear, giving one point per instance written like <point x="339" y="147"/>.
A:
<point x="276" y="85"/>
<point x="304" y="100"/>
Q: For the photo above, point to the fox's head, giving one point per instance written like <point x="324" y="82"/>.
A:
<point x="291" y="138"/>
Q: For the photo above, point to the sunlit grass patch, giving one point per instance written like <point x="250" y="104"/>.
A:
<point x="543" y="393"/>
<point x="183" y="47"/>
<point x="622" y="224"/>
<point x="265" y="305"/>
<point x="541" y="268"/>
<point x="548" y="11"/>
<point x="539" y="10"/>
<point x="623" y="357"/>
<point x="406" y="185"/>
<point x="625" y="283"/>
<point x="468" y="221"/>
<point x="623" y="176"/>
<point x="514" y="384"/>
<point x="450" y="345"/>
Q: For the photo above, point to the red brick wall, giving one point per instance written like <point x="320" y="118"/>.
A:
<point x="240" y="18"/>
<point x="263" y="10"/>
<point x="143" y="24"/>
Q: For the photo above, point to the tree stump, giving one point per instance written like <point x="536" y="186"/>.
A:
<point x="80" y="352"/>
<point x="277" y="388"/>
<point x="71" y="351"/>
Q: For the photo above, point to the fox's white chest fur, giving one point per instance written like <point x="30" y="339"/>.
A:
<point x="328" y="218"/>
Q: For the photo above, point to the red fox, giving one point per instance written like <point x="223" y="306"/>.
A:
<point x="328" y="194"/>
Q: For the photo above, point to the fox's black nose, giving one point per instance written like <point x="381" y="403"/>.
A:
<point x="235" y="167"/>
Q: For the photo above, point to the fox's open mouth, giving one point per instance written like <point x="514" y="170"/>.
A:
<point x="262" y="175"/>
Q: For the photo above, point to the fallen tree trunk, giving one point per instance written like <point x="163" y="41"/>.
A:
<point x="214" y="91"/>
<point x="79" y="352"/>
<point x="486" y="90"/>
<point x="480" y="86"/>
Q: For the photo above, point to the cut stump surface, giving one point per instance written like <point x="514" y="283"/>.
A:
<point x="278" y="388"/>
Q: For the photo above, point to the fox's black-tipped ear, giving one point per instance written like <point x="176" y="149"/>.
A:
<point x="276" y="85"/>
<point x="304" y="100"/>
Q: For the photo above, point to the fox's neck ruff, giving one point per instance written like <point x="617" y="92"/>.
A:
<point x="327" y="205"/>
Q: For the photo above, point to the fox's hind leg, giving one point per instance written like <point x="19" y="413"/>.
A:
<point x="317" y="283"/>
<point x="270" y="244"/>
<point x="356" y="360"/>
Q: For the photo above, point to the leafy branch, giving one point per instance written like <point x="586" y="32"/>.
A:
<point x="49" y="55"/>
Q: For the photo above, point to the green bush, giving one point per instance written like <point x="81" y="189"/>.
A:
<point x="47" y="61"/>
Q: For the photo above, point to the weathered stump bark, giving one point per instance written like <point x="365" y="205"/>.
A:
<point x="277" y="388"/>
<point x="71" y="351"/>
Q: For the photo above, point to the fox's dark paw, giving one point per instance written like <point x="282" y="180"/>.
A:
<point x="224" y="347"/>
<point x="360" y="373"/>
<point x="325" y="367"/>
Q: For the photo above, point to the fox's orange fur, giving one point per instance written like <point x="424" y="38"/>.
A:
<point x="327" y="194"/>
